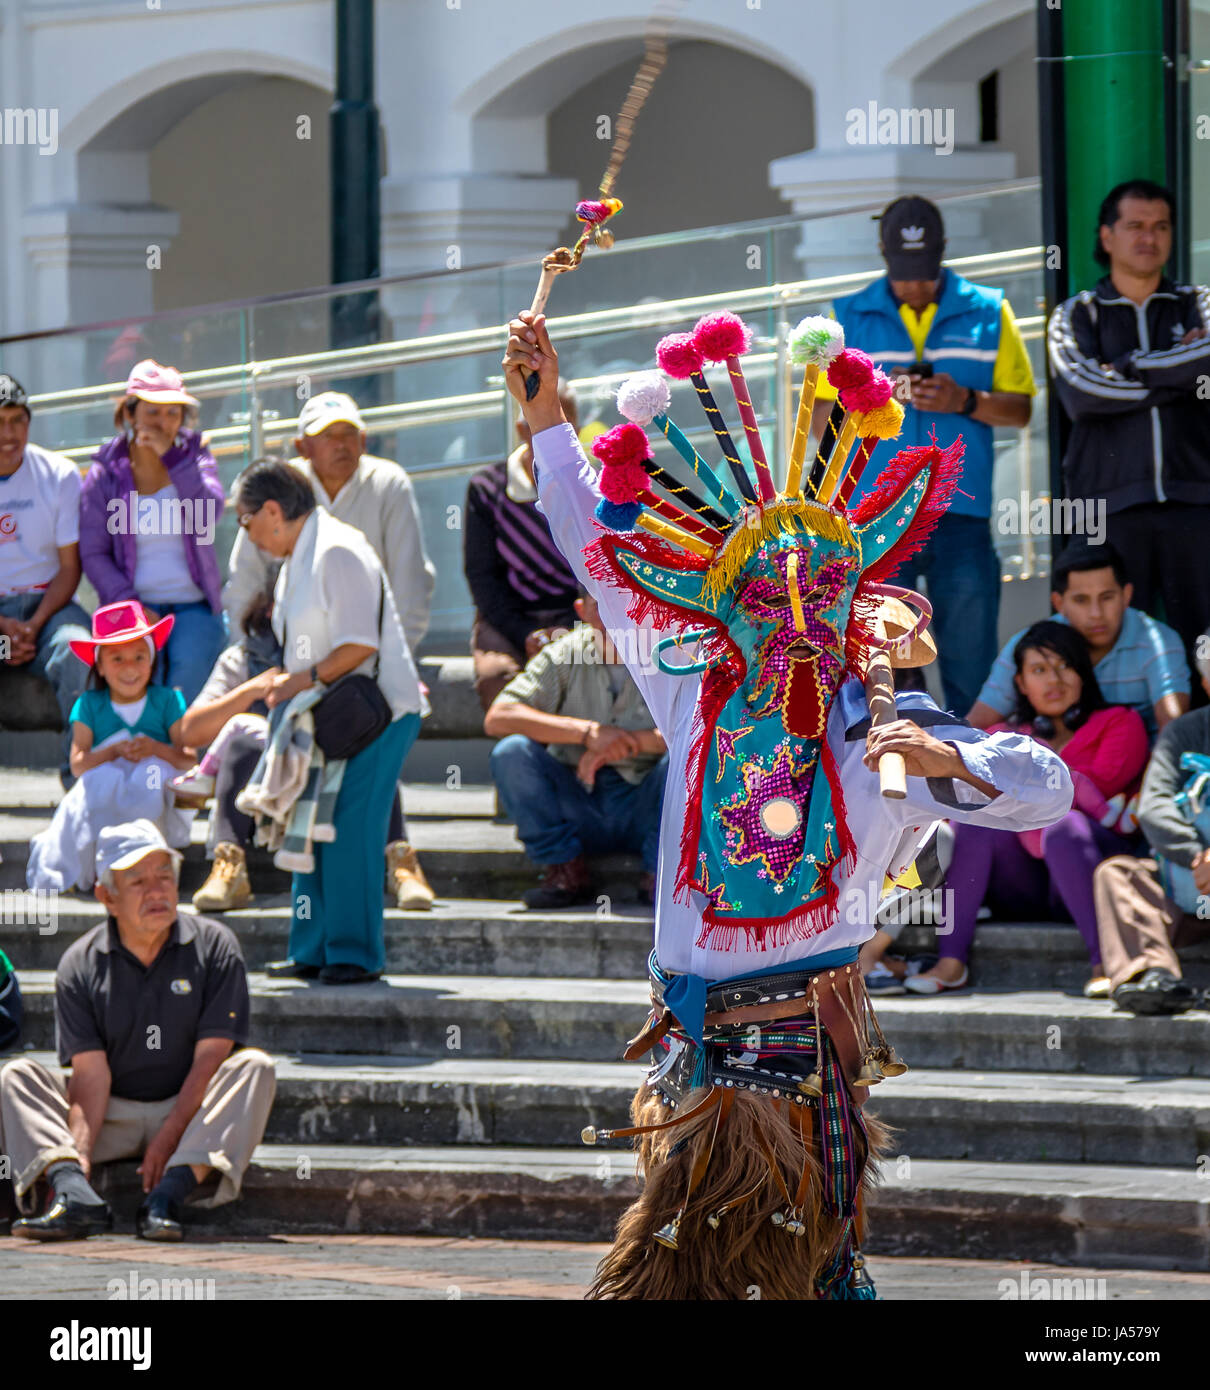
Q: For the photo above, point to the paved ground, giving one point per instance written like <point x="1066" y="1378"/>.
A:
<point x="359" y="1267"/>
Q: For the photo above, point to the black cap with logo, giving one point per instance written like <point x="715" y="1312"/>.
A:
<point x="13" y="393"/>
<point x="912" y="238"/>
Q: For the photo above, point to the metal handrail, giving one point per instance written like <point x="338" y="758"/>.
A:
<point x="354" y="361"/>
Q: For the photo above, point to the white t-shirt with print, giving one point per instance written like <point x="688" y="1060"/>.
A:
<point x="39" y="512"/>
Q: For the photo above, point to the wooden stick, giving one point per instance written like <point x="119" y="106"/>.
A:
<point x="880" y="696"/>
<point x="556" y="263"/>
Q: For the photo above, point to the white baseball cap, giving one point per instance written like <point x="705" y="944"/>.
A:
<point x="326" y="409"/>
<point x="122" y="846"/>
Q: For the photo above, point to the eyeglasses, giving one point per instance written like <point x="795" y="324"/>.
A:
<point x="245" y="518"/>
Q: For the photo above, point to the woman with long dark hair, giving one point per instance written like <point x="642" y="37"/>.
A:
<point x="1049" y="871"/>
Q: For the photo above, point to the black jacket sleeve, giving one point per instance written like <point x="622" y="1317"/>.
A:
<point x="1085" y="386"/>
<point x="1167" y="831"/>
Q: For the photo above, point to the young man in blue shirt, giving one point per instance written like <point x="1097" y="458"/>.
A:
<point x="1139" y="661"/>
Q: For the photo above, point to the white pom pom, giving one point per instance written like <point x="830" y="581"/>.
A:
<point x="816" y="339"/>
<point x="643" y="396"/>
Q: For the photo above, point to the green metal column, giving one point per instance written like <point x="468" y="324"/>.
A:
<point x="1116" y="111"/>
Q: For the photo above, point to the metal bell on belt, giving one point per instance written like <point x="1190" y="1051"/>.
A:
<point x="813" y="1085"/>
<point x="870" y="1073"/>
<point x="667" y="1235"/>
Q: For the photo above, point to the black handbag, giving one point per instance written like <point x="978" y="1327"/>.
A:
<point x="354" y="711"/>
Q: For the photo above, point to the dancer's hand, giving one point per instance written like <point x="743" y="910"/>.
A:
<point x="1201" y="871"/>
<point x="923" y="755"/>
<point x="530" y="349"/>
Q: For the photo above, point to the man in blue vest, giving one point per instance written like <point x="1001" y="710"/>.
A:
<point x="965" y="370"/>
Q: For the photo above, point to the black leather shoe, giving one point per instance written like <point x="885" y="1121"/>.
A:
<point x="291" y="970"/>
<point x="159" y="1218"/>
<point x="347" y="975"/>
<point x="66" y="1220"/>
<point x="1156" y="991"/>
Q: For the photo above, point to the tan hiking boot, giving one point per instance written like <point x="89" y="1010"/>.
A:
<point x="228" y="886"/>
<point x="405" y="878"/>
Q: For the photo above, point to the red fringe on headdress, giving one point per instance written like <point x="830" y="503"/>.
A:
<point x="895" y="478"/>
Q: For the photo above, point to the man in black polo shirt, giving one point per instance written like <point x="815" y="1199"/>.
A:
<point x="151" y="1015"/>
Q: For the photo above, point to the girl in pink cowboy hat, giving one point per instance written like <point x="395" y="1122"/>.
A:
<point x="149" y="509"/>
<point x="126" y="747"/>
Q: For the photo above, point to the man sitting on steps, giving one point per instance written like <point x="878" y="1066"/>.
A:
<point x="580" y="765"/>
<point x="1148" y="908"/>
<point x="151" y="1016"/>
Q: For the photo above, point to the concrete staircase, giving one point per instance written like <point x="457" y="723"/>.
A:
<point x="448" y="1098"/>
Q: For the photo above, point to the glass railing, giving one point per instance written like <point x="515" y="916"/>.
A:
<point x="422" y="355"/>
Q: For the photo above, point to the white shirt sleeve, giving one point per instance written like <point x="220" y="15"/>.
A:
<point x="1034" y="783"/>
<point x="250" y="572"/>
<point x="67" y="514"/>
<point x="567" y="495"/>
<point x="412" y="574"/>
<point x="350" y="591"/>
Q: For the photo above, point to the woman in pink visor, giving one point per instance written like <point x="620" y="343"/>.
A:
<point x="149" y="512"/>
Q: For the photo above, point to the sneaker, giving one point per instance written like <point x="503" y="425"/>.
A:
<point x="406" y="880"/>
<point x="563" y="885"/>
<point x="228" y="886"/>
<point x="193" y="784"/>
<point x="882" y="982"/>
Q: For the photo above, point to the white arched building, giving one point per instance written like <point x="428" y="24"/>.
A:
<point x="189" y="158"/>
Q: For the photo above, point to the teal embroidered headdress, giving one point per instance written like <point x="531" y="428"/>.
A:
<point x="779" y="589"/>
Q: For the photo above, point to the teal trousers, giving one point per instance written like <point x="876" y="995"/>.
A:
<point x="336" y="916"/>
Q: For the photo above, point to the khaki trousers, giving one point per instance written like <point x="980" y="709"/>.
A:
<point x="227" y="1127"/>
<point x="1140" y="927"/>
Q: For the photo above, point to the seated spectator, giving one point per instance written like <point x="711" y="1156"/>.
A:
<point x="148" y="512"/>
<point x="126" y="747"/>
<point x="579" y="764"/>
<point x="1148" y="909"/>
<point x="1040" y="872"/>
<point x="524" y="590"/>
<point x="334" y="615"/>
<point x="39" y="560"/>
<point x="1139" y="661"/>
<point x="376" y="496"/>
<point x="195" y="1103"/>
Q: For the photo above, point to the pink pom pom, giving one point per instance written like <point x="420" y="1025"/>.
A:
<point x="875" y="393"/>
<point x="623" y="446"/>
<point x="679" y="355"/>
<point x="850" y="368"/>
<point x="720" y="336"/>
<point x="592" y="212"/>
<point x="622" y="482"/>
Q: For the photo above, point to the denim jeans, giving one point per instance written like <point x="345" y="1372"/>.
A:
<point x="963" y="575"/>
<point x="558" y="819"/>
<point x="54" y="660"/>
<point x="197" y="639"/>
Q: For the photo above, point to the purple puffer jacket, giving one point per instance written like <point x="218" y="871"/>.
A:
<point x="108" y="557"/>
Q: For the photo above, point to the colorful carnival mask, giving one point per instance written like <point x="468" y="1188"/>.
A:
<point x="780" y="590"/>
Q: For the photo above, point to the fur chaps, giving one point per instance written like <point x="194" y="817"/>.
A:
<point x="746" y="1256"/>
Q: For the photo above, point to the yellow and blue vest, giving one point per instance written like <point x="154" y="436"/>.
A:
<point x="963" y="340"/>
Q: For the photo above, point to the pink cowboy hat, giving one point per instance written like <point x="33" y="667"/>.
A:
<point x="125" y="621"/>
<point x="163" y="385"/>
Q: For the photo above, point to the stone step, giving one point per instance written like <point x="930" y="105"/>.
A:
<point x="494" y="936"/>
<point x="465" y="857"/>
<point x="985" y="1117"/>
<point x="35" y="789"/>
<point x="591" y="1020"/>
<point x="460" y="936"/>
<point x="1100" y="1216"/>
